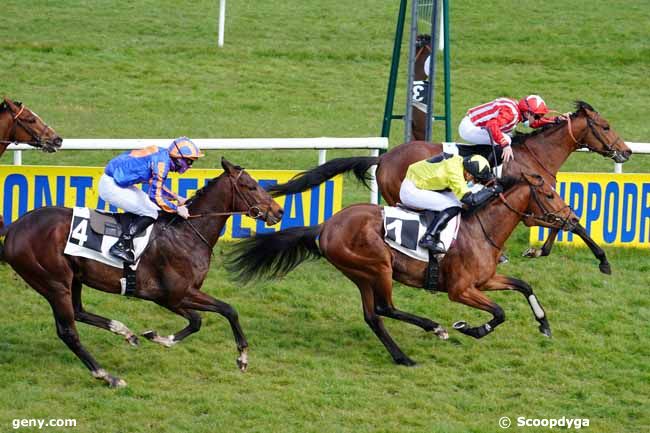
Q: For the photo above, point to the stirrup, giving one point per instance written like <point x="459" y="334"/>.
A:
<point x="433" y="245"/>
<point x="121" y="253"/>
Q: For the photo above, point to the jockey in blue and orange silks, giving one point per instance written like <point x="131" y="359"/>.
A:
<point x="150" y="165"/>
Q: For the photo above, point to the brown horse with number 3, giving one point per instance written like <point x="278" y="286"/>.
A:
<point x="542" y="151"/>
<point x="353" y="241"/>
<point x="170" y="272"/>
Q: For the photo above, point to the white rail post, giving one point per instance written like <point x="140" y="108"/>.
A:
<point x="374" y="189"/>
<point x="322" y="156"/>
<point x="18" y="157"/>
<point x="222" y="20"/>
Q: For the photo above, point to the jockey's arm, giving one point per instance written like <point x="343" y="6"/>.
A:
<point x="173" y="195"/>
<point x="157" y="188"/>
<point x="537" y="123"/>
<point x="494" y="127"/>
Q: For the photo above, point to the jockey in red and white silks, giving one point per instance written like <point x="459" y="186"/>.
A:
<point x="499" y="119"/>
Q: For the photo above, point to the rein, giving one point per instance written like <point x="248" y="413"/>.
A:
<point x="253" y="210"/>
<point x="548" y="217"/>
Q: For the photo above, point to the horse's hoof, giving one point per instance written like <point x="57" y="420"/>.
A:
<point x="115" y="382"/>
<point x="405" y="361"/>
<point x="460" y="325"/>
<point x="441" y="333"/>
<point x="605" y="268"/>
<point x="133" y="340"/>
<point x="149" y="335"/>
<point x="242" y="360"/>
<point x="532" y="253"/>
<point x="545" y="330"/>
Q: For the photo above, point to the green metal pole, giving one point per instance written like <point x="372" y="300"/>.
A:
<point x="447" y="69"/>
<point x="392" y="80"/>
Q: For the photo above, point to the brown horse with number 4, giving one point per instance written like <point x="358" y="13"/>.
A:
<point x="170" y="272"/>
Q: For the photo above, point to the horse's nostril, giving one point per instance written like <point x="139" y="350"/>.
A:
<point x="57" y="141"/>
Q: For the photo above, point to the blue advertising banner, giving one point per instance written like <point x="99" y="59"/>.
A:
<point x="23" y="188"/>
<point x="614" y="208"/>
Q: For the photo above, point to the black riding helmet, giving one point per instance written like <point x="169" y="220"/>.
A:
<point x="478" y="167"/>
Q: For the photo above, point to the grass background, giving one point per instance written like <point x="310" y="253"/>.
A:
<point x="147" y="69"/>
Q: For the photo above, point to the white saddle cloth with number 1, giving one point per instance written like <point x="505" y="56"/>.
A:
<point x="403" y="229"/>
<point x="83" y="241"/>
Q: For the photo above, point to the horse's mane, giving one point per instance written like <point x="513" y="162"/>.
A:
<point x="200" y="192"/>
<point x="520" y="137"/>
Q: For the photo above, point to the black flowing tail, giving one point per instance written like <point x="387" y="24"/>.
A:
<point x="273" y="255"/>
<point x="317" y="175"/>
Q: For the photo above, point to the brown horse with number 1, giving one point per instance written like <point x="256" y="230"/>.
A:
<point x="170" y="272"/>
<point x="542" y="151"/>
<point x="353" y="241"/>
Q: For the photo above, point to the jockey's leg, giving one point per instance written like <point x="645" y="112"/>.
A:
<point x="431" y="238"/>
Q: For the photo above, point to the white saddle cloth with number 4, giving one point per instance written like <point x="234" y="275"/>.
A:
<point x="84" y="241"/>
<point x="403" y="229"/>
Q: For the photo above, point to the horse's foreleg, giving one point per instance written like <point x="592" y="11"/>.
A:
<point x="384" y="307"/>
<point x="533" y="252"/>
<point x="197" y="300"/>
<point x="501" y="282"/>
<point x="194" y="325"/>
<point x="84" y="316"/>
<point x="474" y="298"/>
<point x="604" y="266"/>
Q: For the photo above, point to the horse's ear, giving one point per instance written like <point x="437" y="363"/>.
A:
<point x="227" y="166"/>
<point x="10" y="103"/>
<point x="533" y="179"/>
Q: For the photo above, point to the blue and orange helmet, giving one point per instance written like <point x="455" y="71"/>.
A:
<point x="184" y="148"/>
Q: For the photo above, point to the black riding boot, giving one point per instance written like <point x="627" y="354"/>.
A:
<point x="431" y="238"/>
<point x="123" y="248"/>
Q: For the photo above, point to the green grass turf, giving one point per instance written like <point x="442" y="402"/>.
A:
<point x="149" y="69"/>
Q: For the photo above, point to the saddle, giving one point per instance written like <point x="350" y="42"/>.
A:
<point x="110" y="223"/>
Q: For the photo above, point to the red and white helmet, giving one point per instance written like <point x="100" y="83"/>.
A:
<point x="533" y="104"/>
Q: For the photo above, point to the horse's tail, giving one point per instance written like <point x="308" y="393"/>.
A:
<point x="317" y="175"/>
<point x="273" y="255"/>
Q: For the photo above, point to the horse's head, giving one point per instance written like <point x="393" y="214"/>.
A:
<point x="250" y="197"/>
<point x="423" y="51"/>
<point x="27" y="127"/>
<point x="592" y="131"/>
<point x="545" y="206"/>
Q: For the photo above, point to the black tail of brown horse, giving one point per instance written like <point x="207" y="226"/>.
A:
<point x="273" y="255"/>
<point x="317" y="175"/>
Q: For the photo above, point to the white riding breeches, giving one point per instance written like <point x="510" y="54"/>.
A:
<point x="417" y="198"/>
<point x="471" y="133"/>
<point x="131" y="199"/>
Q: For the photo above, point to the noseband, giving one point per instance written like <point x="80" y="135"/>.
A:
<point x="18" y="122"/>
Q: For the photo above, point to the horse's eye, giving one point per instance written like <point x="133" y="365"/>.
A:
<point x="606" y="127"/>
<point x="550" y="196"/>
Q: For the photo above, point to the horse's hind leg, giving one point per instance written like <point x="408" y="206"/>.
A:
<point x="377" y="325"/>
<point x="197" y="300"/>
<point x="66" y="330"/>
<point x="84" y="316"/>
<point x="384" y="307"/>
<point x="501" y="282"/>
<point x="194" y="325"/>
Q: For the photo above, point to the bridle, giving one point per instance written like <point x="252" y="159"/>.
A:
<point x="549" y="217"/>
<point x="17" y="121"/>
<point x="253" y="210"/>
<point x="610" y="151"/>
